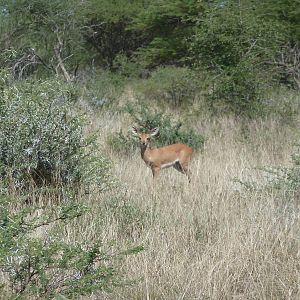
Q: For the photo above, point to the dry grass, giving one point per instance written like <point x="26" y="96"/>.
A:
<point x="210" y="239"/>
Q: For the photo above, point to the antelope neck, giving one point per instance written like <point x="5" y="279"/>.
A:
<point x="143" y="149"/>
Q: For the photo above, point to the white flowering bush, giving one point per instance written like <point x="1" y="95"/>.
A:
<point x="42" y="141"/>
<point x="43" y="148"/>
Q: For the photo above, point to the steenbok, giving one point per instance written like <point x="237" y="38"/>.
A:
<point x="176" y="155"/>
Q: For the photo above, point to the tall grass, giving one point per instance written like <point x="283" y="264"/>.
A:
<point x="211" y="239"/>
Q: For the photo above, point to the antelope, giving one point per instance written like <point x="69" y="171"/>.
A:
<point x="175" y="155"/>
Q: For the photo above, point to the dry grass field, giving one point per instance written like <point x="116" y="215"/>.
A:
<point x="211" y="239"/>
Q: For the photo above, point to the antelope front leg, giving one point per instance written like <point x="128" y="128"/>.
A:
<point x="155" y="172"/>
<point x="187" y="172"/>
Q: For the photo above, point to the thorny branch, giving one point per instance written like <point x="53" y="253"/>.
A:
<point x="57" y="50"/>
<point x="288" y="61"/>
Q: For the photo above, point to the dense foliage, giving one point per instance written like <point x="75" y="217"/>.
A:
<point x="42" y="143"/>
<point x="58" y="58"/>
<point x="47" y="160"/>
<point x="171" y="86"/>
<point x="170" y="131"/>
<point x="234" y="43"/>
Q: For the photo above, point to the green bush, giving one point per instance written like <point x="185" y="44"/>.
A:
<point x="129" y="68"/>
<point x="170" y="132"/>
<point x="236" y="46"/>
<point x="171" y="85"/>
<point x="103" y="88"/>
<point x="238" y="90"/>
<point x="42" y="141"/>
<point x="36" y="268"/>
<point x="282" y="179"/>
<point x="121" y="142"/>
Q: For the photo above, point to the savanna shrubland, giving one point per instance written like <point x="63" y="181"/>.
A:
<point x="214" y="238"/>
<point x="147" y="118"/>
<point x="217" y="238"/>
<point x="48" y="165"/>
<point x="42" y="141"/>
<point x="76" y="198"/>
<point x="232" y="232"/>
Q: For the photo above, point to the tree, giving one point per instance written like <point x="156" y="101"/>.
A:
<point x="236" y="45"/>
<point x="108" y="32"/>
<point x="169" y="25"/>
<point x="287" y="60"/>
<point x="43" y="33"/>
<point x="286" y="12"/>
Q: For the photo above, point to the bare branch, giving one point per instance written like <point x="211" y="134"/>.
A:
<point x="288" y="62"/>
<point x="57" y="50"/>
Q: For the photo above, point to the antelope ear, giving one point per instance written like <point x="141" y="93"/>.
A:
<point x="134" y="131"/>
<point x="154" y="131"/>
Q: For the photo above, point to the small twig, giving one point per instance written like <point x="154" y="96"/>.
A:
<point x="57" y="52"/>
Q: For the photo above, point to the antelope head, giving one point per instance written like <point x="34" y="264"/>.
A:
<point x="144" y="138"/>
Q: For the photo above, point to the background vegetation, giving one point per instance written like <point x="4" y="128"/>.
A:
<point x="222" y="76"/>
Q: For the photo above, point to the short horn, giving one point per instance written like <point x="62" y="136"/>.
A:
<point x="134" y="130"/>
<point x="154" y="131"/>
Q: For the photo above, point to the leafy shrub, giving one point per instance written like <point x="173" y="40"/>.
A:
<point x="128" y="67"/>
<point x="285" y="179"/>
<point x="103" y="88"/>
<point x="229" y="34"/>
<point x="46" y="268"/>
<point x="167" y="26"/>
<point x="108" y="31"/>
<point x="121" y="142"/>
<point x="42" y="142"/>
<point x="287" y="62"/>
<point x="169" y="133"/>
<point x="171" y="85"/>
<point x="236" y="45"/>
<point x="238" y="90"/>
